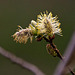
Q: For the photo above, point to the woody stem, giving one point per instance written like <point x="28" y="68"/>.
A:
<point x="57" y="51"/>
<point x="54" y="47"/>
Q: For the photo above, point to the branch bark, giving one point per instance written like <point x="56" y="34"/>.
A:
<point x="21" y="62"/>
<point x="50" y="40"/>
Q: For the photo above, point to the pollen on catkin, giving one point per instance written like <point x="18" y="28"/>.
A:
<point x="48" y="25"/>
<point x="22" y="35"/>
<point x="45" y="25"/>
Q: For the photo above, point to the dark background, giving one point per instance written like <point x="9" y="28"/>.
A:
<point x="14" y="12"/>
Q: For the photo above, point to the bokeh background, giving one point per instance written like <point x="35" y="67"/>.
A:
<point x="21" y="12"/>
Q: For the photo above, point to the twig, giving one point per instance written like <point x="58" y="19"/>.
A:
<point x="50" y="40"/>
<point x="54" y="47"/>
<point x="21" y="62"/>
<point x="73" y="73"/>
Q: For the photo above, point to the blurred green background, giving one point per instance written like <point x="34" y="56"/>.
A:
<point x="14" y="12"/>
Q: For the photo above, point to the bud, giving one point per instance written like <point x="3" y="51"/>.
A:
<point x="33" y="23"/>
<point x="50" y="50"/>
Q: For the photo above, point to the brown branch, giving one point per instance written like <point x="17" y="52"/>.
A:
<point x="73" y="73"/>
<point x="21" y="62"/>
<point x="50" y="40"/>
<point x="54" y="47"/>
